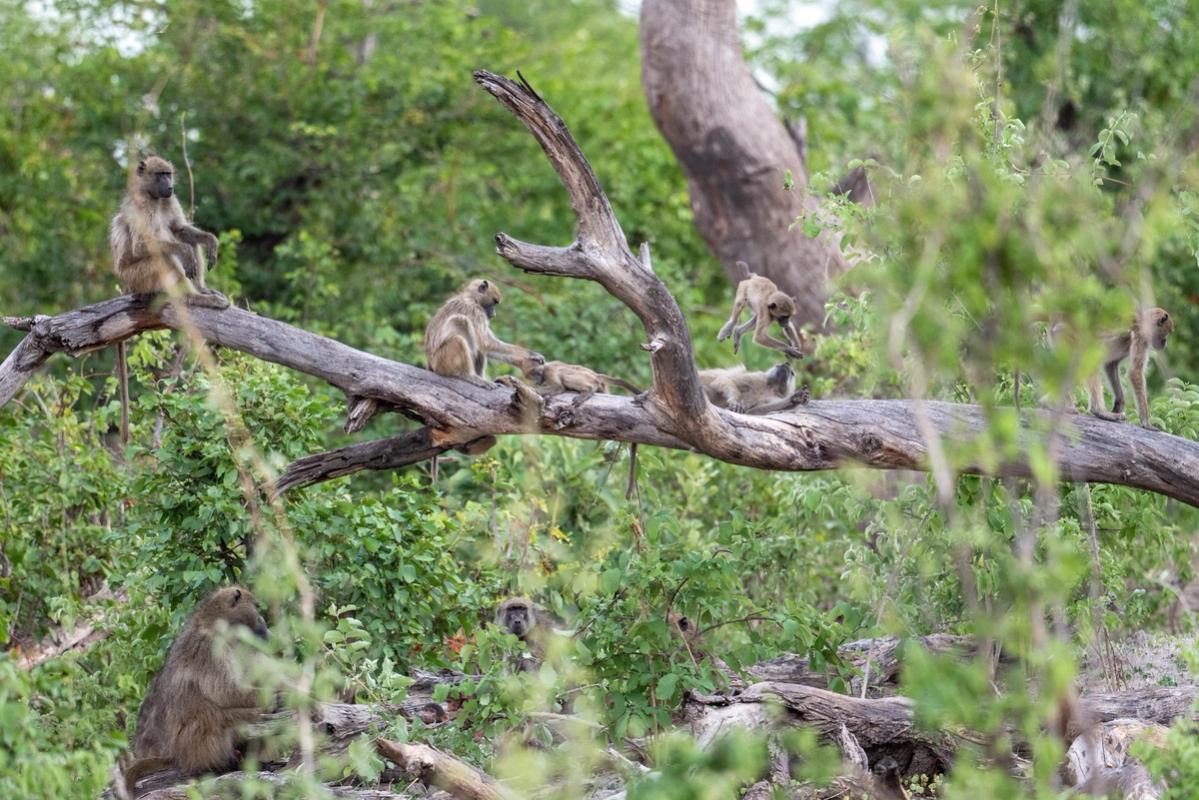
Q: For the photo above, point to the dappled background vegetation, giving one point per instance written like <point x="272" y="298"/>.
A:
<point x="358" y="177"/>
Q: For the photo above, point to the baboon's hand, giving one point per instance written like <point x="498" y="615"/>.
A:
<point x="793" y="352"/>
<point x="1149" y="426"/>
<point x="737" y="407"/>
<point x="210" y="248"/>
<point x="801" y="397"/>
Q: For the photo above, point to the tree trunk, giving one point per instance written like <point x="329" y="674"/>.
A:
<point x="733" y="149"/>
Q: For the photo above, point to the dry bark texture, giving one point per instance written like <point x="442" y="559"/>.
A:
<point x="866" y="730"/>
<point x="883" y="434"/>
<point x="733" y="149"/>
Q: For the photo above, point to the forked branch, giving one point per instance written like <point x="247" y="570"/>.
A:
<point x="823" y="435"/>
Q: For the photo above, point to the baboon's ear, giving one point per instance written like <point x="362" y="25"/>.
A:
<point x="236" y="598"/>
<point x="773" y="306"/>
<point x="141" y="167"/>
<point x="483" y="286"/>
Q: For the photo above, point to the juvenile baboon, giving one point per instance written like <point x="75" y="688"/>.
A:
<point x="753" y="392"/>
<point x="767" y="305"/>
<point x="887" y="779"/>
<point x="553" y="377"/>
<point x="191" y="713"/>
<point x="516" y="616"/>
<point x="1150" y="329"/>
<point x="458" y="339"/>
<point x="155" y="249"/>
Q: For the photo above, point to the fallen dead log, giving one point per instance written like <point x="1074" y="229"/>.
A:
<point x="85" y="633"/>
<point x="238" y="784"/>
<point x="883" y="655"/>
<point x="1098" y="761"/>
<point x="886" y="726"/>
<point x="1157" y="704"/>
<point x="435" y="768"/>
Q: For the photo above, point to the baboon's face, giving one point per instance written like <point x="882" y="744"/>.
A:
<point x="242" y="609"/>
<point x="781" y="308"/>
<point x="780" y="378"/>
<point x="516" y="618"/>
<point x="1156" y="326"/>
<point x="157" y="177"/>
<point x="486" y="294"/>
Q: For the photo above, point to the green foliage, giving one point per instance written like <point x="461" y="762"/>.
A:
<point x="356" y="179"/>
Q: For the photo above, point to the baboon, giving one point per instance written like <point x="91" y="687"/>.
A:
<point x="887" y="779"/>
<point x="155" y="249"/>
<point x="458" y="339"/>
<point x="516" y="616"/>
<point x="1150" y="329"/>
<point x="553" y="377"/>
<point x="194" y="706"/>
<point x="753" y="392"/>
<point x="432" y="713"/>
<point x="685" y="629"/>
<point x="767" y="305"/>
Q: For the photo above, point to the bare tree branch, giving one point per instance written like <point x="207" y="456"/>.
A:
<point x="881" y="434"/>
<point x="601" y="253"/>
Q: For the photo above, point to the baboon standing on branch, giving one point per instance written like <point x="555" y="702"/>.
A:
<point x="1149" y="331"/>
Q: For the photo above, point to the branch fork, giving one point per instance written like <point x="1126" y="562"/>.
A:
<point x="456" y="414"/>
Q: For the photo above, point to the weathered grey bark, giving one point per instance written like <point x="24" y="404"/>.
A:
<point x="435" y="768"/>
<point x="883" y="674"/>
<point x="230" y="785"/>
<point x="824" y="435"/>
<point x="733" y="149"/>
<point x="820" y="436"/>
<point x="1099" y="762"/>
<point x="1159" y="704"/>
<point x="887" y="726"/>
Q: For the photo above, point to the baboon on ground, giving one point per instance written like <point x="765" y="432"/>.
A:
<point x="192" y="710"/>
<point x="753" y="392"/>
<point x="767" y="305"/>
<point x="887" y="779"/>
<point x="517" y="616"/>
